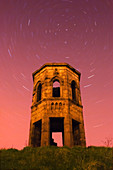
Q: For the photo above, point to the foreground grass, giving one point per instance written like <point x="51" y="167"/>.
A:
<point x="55" y="158"/>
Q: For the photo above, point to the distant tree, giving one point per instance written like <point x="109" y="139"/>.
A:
<point x="108" y="142"/>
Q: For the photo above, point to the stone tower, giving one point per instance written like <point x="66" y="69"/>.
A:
<point x="56" y="106"/>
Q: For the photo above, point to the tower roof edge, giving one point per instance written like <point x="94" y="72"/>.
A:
<point x="56" y="64"/>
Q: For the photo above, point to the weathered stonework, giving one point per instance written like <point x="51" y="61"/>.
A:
<point x="56" y="114"/>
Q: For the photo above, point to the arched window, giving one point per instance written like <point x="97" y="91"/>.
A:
<point x="39" y="92"/>
<point x="56" y="88"/>
<point x="73" y="87"/>
<point x="52" y="105"/>
<point x="56" y="105"/>
<point x="60" y="105"/>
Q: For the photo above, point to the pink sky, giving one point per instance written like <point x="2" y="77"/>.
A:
<point x="33" y="33"/>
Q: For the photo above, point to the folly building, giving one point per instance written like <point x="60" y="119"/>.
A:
<point x="56" y="106"/>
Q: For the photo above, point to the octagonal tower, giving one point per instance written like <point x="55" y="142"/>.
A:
<point x="56" y="106"/>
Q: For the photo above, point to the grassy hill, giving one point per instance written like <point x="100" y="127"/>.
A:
<point x="56" y="158"/>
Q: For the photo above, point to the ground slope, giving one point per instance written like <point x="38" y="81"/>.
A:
<point x="56" y="158"/>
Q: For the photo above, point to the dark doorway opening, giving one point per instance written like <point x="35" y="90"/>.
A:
<point x="56" y="125"/>
<point x="37" y="133"/>
<point x="76" y="132"/>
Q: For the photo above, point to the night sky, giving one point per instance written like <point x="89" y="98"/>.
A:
<point x="35" y="32"/>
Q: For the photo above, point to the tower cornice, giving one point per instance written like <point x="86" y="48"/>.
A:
<point x="57" y="65"/>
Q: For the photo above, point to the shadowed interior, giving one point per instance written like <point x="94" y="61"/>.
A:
<point x="37" y="133"/>
<point x="76" y="132"/>
<point x="56" y="125"/>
